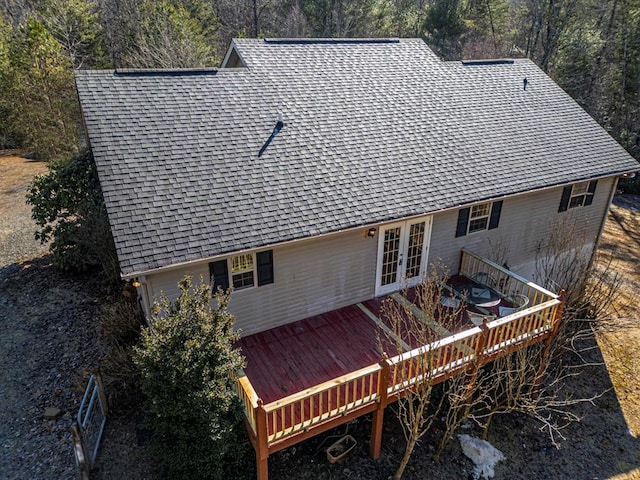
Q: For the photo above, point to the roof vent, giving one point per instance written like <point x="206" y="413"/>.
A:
<point x="472" y="63"/>
<point x="165" y="72"/>
<point x="276" y="131"/>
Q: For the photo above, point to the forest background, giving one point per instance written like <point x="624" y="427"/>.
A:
<point x="591" y="48"/>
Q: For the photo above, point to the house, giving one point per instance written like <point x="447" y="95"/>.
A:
<point x="315" y="174"/>
<point x="378" y="134"/>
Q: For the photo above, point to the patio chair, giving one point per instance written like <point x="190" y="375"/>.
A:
<point x="506" y="311"/>
<point x="477" y="318"/>
<point x="520" y="302"/>
<point x="485" y="278"/>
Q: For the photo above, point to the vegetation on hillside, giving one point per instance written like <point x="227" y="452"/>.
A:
<point x="68" y="208"/>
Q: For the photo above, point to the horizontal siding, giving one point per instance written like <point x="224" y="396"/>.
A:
<point x="166" y="283"/>
<point x="525" y="220"/>
<point x="311" y="277"/>
<point x="315" y="276"/>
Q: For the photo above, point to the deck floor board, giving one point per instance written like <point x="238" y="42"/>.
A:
<point x="291" y="358"/>
<point x="296" y="356"/>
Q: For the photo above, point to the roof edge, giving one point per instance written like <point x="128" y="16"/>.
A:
<point x="187" y="263"/>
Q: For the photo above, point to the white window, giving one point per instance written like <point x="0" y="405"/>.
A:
<point x="479" y="217"/>
<point x="579" y="194"/>
<point x="243" y="271"/>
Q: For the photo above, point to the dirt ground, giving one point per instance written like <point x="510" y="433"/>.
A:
<point x="49" y="339"/>
<point x="16" y="227"/>
<point x="620" y="345"/>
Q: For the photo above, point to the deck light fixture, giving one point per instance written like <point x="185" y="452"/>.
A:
<point x="371" y="232"/>
<point x="136" y="283"/>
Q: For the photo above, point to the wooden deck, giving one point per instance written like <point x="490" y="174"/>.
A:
<point x="306" y="377"/>
<point x="291" y="358"/>
<point x="297" y="356"/>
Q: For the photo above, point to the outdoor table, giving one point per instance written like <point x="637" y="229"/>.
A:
<point x="484" y="297"/>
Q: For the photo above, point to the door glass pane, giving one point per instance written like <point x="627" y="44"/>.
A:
<point x="414" y="250"/>
<point x="390" y="253"/>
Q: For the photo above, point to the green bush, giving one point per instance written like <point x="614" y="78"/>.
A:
<point x="187" y="362"/>
<point x="68" y="207"/>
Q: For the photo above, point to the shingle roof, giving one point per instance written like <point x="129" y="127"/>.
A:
<point x="373" y="131"/>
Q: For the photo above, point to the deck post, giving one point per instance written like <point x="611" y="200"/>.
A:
<point x="378" y="415"/>
<point x="482" y="343"/>
<point x="262" y="442"/>
<point x="557" y="319"/>
<point x="470" y="386"/>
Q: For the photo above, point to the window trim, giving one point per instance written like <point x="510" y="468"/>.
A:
<point x="584" y="195"/>
<point x="465" y="218"/>
<point x="569" y="194"/>
<point x="488" y="206"/>
<point x="221" y="271"/>
<point x="253" y="270"/>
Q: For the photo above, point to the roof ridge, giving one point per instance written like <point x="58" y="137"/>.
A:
<point x="331" y="40"/>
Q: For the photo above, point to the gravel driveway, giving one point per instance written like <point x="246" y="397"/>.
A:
<point x="47" y="333"/>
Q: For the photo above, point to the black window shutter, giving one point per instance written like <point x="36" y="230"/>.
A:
<point x="564" y="201"/>
<point x="463" y="221"/>
<point x="592" y="190"/>
<point x="265" y="267"/>
<point x="496" y="209"/>
<point x="219" y="273"/>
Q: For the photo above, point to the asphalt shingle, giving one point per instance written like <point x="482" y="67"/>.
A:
<point x="373" y="131"/>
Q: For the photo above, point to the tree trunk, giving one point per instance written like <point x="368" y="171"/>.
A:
<point x="405" y="458"/>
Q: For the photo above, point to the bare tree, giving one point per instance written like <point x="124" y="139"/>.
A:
<point x="415" y="320"/>
<point x="170" y="37"/>
<point x="530" y="382"/>
<point x="562" y="259"/>
<point x="75" y="25"/>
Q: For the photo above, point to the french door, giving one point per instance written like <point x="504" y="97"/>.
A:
<point x="402" y="254"/>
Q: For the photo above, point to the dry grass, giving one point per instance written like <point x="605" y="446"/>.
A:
<point x="620" y="343"/>
<point x="15" y="215"/>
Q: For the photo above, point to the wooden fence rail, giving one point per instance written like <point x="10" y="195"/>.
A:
<point x="278" y="423"/>
<point x="336" y="397"/>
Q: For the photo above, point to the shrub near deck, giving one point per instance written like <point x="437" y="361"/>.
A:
<point x="187" y="361"/>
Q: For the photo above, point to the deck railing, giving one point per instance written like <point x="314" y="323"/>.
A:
<point x="341" y="396"/>
<point x="336" y="397"/>
<point x="434" y="360"/>
<point x="248" y="398"/>
<point x="506" y="282"/>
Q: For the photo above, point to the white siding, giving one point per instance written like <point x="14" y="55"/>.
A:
<point x="310" y="277"/>
<point x="167" y="282"/>
<point x="323" y="274"/>
<point x="525" y="220"/>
